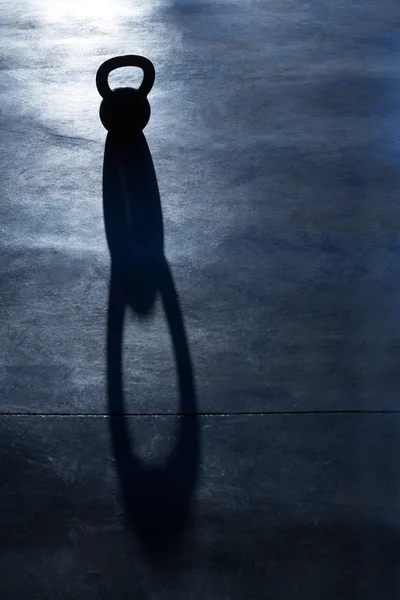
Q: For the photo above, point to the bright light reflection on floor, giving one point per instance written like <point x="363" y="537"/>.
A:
<point x="78" y="9"/>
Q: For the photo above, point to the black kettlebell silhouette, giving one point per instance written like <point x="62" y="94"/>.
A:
<point x="125" y="110"/>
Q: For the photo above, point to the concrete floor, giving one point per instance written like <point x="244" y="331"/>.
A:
<point x="241" y="440"/>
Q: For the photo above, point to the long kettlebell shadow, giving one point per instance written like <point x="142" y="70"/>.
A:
<point x="157" y="498"/>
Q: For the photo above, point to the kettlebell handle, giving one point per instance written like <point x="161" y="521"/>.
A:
<point x="130" y="60"/>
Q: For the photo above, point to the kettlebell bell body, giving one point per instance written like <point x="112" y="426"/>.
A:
<point x="125" y="110"/>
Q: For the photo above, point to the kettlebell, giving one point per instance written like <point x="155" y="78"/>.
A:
<point x="125" y="110"/>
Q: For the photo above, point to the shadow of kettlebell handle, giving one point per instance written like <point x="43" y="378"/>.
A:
<point x="131" y="60"/>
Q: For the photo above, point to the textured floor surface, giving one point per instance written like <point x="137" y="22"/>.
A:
<point x="241" y="439"/>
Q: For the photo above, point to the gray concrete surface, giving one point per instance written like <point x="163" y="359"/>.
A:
<point x="285" y="507"/>
<point x="275" y="141"/>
